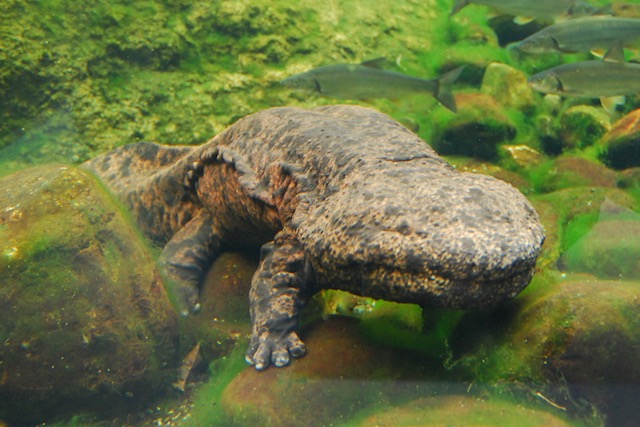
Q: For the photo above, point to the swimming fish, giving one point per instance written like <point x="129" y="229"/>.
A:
<point x="608" y="79"/>
<point x="367" y="80"/>
<point x="187" y="365"/>
<point x="582" y="35"/>
<point x="537" y="9"/>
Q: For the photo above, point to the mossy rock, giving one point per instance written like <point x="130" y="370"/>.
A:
<point x="569" y="214"/>
<point x="476" y="130"/>
<point x="620" y="147"/>
<point x="577" y="338"/>
<point x="178" y="72"/>
<point x="519" y="156"/>
<point x="569" y="172"/>
<point x="629" y="179"/>
<point x="626" y="9"/>
<point x="341" y="374"/>
<point x="508" y="86"/>
<point x="583" y="125"/>
<point x="610" y="249"/>
<point x="464" y="410"/>
<point x="552" y="223"/>
<point x="575" y="201"/>
<point x="85" y="321"/>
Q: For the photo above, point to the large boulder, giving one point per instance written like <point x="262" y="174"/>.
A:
<point x="573" y="339"/>
<point x="85" y="322"/>
<point x="341" y="374"/>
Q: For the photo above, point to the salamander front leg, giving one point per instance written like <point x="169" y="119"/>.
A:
<point x="275" y="302"/>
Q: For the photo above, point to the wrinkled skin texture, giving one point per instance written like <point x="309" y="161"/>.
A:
<point x="337" y="197"/>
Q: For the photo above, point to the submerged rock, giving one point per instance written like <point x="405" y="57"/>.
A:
<point x="466" y="411"/>
<point x="476" y="130"/>
<point x="341" y="374"/>
<point x="621" y="145"/>
<point x="224" y="314"/>
<point x="508" y="86"/>
<point x="571" y="171"/>
<point x="569" y="214"/>
<point x="551" y="220"/>
<point x="629" y="178"/>
<point x="577" y="337"/>
<point x="583" y="125"/>
<point x="85" y="322"/>
<point x="611" y="249"/>
<point x="521" y="156"/>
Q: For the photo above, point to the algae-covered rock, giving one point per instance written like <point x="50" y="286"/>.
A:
<point x="85" y="322"/>
<point x="225" y="291"/>
<point x="464" y="410"/>
<point x="621" y="145"/>
<point x="476" y="130"/>
<point x="569" y="214"/>
<point x="629" y="178"/>
<point x="611" y="249"/>
<point x="589" y="330"/>
<point x="575" y="201"/>
<point x="627" y="9"/>
<point x="578" y="336"/>
<point x="343" y="374"/>
<point x="508" y="86"/>
<point x="552" y="222"/>
<point x="583" y="125"/>
<point x="520" y="156"/>
<point x="223" y="317"/>
<point x="571" y="171"/>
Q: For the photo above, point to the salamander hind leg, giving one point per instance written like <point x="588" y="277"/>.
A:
<point x="276" y="288"/>
<point x="186" y="258"/>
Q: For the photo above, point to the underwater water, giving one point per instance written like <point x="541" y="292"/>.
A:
<point x="89" y="333"/>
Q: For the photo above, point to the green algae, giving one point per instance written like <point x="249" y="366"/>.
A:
<point x="218" y="62"/>
<point x="577" y="228"/>
<point x="205" y="402"/>
<point x="430" y="336"/>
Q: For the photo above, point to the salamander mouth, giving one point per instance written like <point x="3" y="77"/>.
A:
<point x="429" y="288"/>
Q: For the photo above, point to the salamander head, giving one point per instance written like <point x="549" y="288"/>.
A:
<point x="448" y="239"/>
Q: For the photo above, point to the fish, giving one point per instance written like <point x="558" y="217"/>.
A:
<point x="582" y="34"/>
<point x="610" y="79"/>
<point x="536" y="9"/>
<point x="367" y="81"/>
<point x="187" y="365"/>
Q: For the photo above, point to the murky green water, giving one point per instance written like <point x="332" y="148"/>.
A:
<point x="79" y="78"/>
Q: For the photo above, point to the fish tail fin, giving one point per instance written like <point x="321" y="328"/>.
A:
<point x="459" y="4"/>
<point x="443" y="90"/>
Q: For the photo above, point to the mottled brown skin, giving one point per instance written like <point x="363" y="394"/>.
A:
<point x="337" y="197"/>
